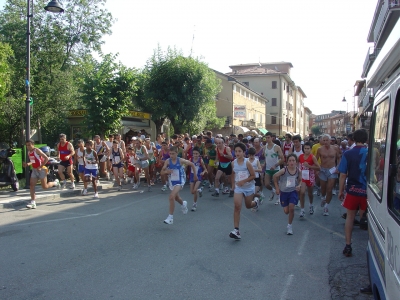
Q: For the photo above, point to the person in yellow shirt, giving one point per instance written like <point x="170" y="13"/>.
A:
<point x="314" y="150"/>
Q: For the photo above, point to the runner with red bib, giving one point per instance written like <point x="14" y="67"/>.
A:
<point x="308" y="164"/>
<point x="224" y="159"/>
<point x="287" y="145"/>
<point x="65" y="153"/>
<point x="37" y="160"/>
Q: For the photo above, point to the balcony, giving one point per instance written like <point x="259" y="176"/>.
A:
<point x="249" y="123"/>
<point x="369" y="60"/>
<point x="366" y="100"/>
<point x="385" y="20"/>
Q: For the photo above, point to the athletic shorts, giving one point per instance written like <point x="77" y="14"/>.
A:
<point x="211" y="163"/>
<point x="92" y="172"/>
<point x="227" y="171"/>
<point x="65" y="163"/>
<point x="131" y="168"/>
<point x="199" y="178"/>
<point x="325" y="174"/>
<point x="142" y="163"/>
<point x="271" y="172"/>
<point x="119" y="165"/>
<point x="289" y="197"/>
<point x="308" y="182"/>
<point x="40" y="174"/>
<point x="257" y="180"/>
<point x="246" y="192"/>
<point x="352" y="202"/>
<point x="152" y="161"/>
<point x="81" y="169"/>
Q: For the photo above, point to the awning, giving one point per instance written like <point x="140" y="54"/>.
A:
<point x="263" y="131"/>
<point x="244" y="129"/>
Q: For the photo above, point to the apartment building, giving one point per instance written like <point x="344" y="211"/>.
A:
<point x="308" y="121"/>
<point x="243" y="108"/>
<point x="325" y="121"/>
<point x="285" y="110"/>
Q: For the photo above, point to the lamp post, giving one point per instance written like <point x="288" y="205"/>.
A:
<point x="54" y="7"/>
<point x="347" y="111"/>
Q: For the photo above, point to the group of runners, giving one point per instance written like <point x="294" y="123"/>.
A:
<point x="238" y="166"/>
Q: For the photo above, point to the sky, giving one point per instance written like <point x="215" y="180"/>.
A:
<point x="326" y="41"/>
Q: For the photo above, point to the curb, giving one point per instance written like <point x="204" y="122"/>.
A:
<point x="57" y="194"/>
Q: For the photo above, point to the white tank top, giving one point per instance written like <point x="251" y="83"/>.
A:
<point x="80" y="153"/>
<point x="271" y="157"/>
<point x="255" y="165"/>
<point x="298" y="153"/>
<point x="90" y="158"/>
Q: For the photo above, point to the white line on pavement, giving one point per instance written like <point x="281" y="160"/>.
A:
<point x="285" y="290"/>
<point x="303" y="242"/>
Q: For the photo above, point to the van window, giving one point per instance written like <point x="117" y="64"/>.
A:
<point x="377" y="156"/>
<point x="394" y="184"/>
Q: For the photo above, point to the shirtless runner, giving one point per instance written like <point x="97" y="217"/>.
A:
<point x="329" y="155"/>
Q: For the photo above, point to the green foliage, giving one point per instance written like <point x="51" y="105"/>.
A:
<point x="58" y="41"/>
<point x="6" y="54"/>
<point x="107" y="93"/>
<point x="315" y="130"/>
<point x="178" y="88"/>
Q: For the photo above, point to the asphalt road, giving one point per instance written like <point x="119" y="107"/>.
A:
<point x="117" y="247"/>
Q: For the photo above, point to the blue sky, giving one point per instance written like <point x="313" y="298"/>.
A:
<point x="326" y="41"/>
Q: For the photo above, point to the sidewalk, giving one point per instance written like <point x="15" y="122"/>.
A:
<point x="11" y="199"/>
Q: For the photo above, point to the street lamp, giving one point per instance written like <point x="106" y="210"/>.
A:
<point x="347" y="111"/>
<point x="54" y="7"/>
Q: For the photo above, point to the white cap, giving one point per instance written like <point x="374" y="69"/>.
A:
<point x="194" y="137"/>
<point x="142" y="137"/>
<point x="134" y="138"/>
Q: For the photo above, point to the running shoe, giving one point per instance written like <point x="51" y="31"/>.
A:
<point x="326" y="212"/>
<point x="164" y="188"/>
<point x="272" y="196"/>
<point x="311" y="209"/>
<point x="169" y="221"/>
<point x="204" y="182"/>
<point x="72" y="186"/>
<point x="257" y="201"/>
<point x="289" y="230"/>
<point x="334" y="192"/>
<point x="64" y="184"/>
<point x="235" y="234"/>
<point x="302" y="214"/>
<point x="31" y="205"/>
<point x="215" y="194"/>
<point x="318" y="191"/>
<point x="200" y="191"/>
<point x="138" y="184"/>
<point x="211" y="188"/>
<point x="347" y="251"/>
<point x="323" y="201"/>
<point x="194" y="206"/>
<point x="57" y="183"/>
<point x="231" y="192"/>
<point x="277" y="202"/>
<point x="84" y="193"/>
<point x="119" y="188"/>
<point x="226" y="191"/>
<point x="261" y="199"/>
<point x="96" y="195"/>
<point x="184" y="207"/>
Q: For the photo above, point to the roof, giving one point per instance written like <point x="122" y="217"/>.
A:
<point x="260" y="63"/>
<point x="254" y="70"/>
<point x="301" y="91"/>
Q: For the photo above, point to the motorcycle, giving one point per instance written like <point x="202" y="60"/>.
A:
<point x="52" y="174"/>
<point x="7" y="171"/>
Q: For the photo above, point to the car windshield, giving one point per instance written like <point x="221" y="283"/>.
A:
<point x="4" y="145"/>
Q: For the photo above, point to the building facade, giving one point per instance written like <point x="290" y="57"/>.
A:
<point x="243" y="108"/>
<point x="285" y="109"/>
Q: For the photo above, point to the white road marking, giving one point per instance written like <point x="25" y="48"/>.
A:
<point x="287" y="285"/>
<point x="303" y="242"/>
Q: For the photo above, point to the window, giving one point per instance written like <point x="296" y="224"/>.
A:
<point x="377" y="157"/>
<point x="284" y="85"/>
<point x="273" y="102"/>
<point x="274" y="84"/>
<point x="273" y="120"/>
<point x="394" y="180"/>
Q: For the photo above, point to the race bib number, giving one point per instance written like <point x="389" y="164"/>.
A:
<point x="175" y="175"/>
<point x="305" y="174"/>
<point x="291" y="182"/>
<point x="117" y="159"/>
<point x="242" y="175"/>
<point x="332" y="170"/>
<point x="32" y="160"/>
<point x="286" y="152"/>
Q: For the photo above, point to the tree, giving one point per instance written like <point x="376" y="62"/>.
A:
<point x="108" y="89"/>
<point x="315" y="129"/>
<point x="179" y="88"/>
<point x="58" y="41"/>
